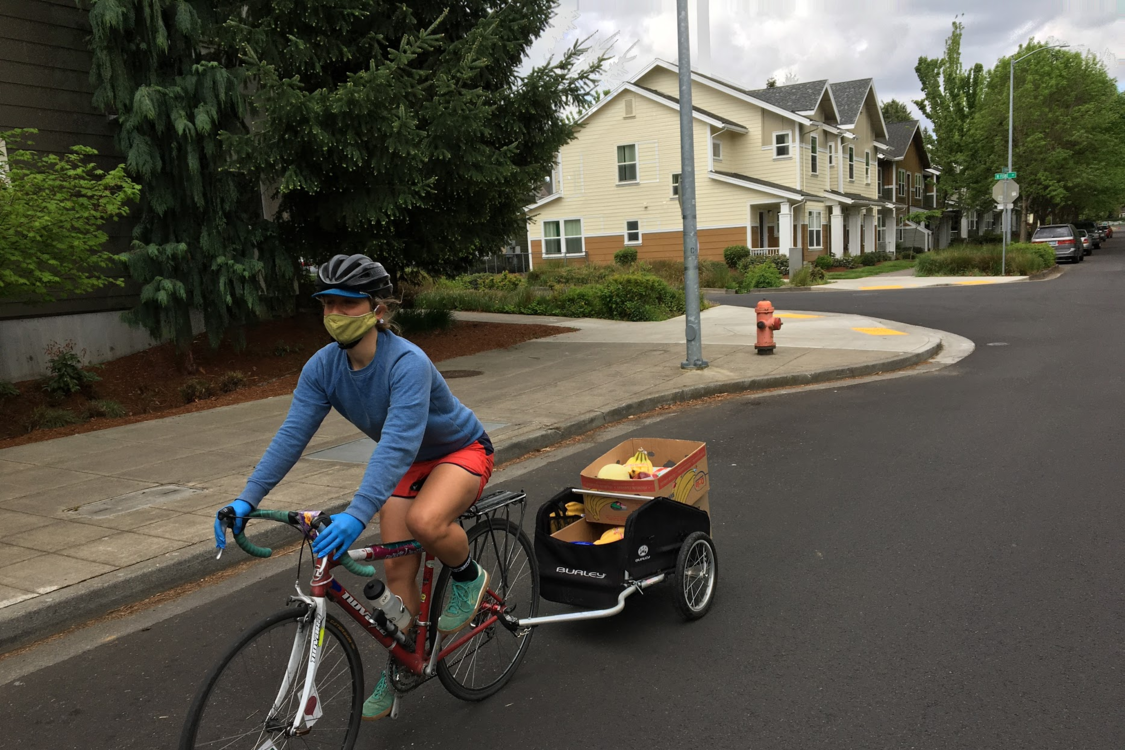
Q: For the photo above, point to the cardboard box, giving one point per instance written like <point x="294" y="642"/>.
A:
<point x="582" y="531"/>
<point x="685" y="481"/>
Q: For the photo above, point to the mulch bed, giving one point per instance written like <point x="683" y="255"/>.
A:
<point x="147" y="384"/>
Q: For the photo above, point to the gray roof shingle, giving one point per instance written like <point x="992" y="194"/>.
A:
<point x="849" y="97"/>
<point x="765" y="183"/>
<point x="796" y="97"/>
<point x="899" y="135"/>
<point x="700" y="110"/>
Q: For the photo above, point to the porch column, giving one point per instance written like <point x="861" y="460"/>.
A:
<point x="784" y="228"/>
<point x="837" y="223"/>
<point x="889" y="234"/>
<point x="964" y="225"/>
<point x="869" y="228"/>
<point x="853" y="231"/>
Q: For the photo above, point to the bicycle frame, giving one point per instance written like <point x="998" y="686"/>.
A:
<point x="325" y="588"/>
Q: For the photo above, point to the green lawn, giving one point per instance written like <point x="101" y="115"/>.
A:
<point x="865" y="271"/>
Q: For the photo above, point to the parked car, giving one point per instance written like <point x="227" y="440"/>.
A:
<point x="1064" y="238"/>
<point x="1087" y="243"/>
<point x="1091" y="229"/>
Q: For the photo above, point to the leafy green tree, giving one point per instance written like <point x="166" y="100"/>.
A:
<point x="407" y="132"/>
<point x="1068" y="136"/>
<point x="896" y="111"/>
<point x="200" y="243"/>
<point x="951" y="95"/>
<point x="52" y="210"/>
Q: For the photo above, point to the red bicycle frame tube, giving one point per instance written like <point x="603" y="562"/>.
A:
<point x="326" y="586"/>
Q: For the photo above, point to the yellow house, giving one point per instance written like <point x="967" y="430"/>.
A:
<point x="782" y="170"/>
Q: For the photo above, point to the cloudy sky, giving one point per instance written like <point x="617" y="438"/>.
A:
<point x="752" y="40"/>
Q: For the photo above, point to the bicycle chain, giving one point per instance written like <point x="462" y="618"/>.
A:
<point x="402" y="680"/>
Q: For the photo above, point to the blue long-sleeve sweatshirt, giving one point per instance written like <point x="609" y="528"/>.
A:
<point x="399" y="400"/>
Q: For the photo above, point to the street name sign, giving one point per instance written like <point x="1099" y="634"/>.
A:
<point x="1005" y="175"/>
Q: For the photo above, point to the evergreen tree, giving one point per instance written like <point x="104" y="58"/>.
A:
<point x="406" y="132"/>
<point x="896" y="111"/>
<point x="200" y="243"/>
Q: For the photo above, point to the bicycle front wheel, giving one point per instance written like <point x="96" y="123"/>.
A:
<point x="486" y="662"/>
<point x="251" y="697"/>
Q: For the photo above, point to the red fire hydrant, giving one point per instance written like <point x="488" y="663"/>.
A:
<point x="767" y="324"/>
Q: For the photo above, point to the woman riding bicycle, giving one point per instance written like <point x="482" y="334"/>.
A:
<point x="433" y="456"/>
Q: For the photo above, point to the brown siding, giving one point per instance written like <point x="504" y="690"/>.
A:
<point x="45" y="85"/>
<point x="660" y="245"/>
<point x="712" y="242"/>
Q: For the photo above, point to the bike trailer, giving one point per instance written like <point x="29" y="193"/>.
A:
<point x="573" y="570"/>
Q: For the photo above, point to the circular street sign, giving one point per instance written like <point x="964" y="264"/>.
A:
<point x="1005" y="191"/>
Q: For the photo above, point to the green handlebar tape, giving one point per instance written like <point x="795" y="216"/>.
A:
<point x="361" y="570"/>
<point x="250" y="548"/>
<point x="271" y="515"/>
<point x="357" y="568"/>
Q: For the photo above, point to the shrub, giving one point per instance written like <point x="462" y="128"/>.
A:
<point x="103" y="408"/>
<point x="967" y="260"/>
<point x="714" y="274"/>
<point x="904" y="255"/>
<point x="672" y="271"/>
<point x="501" y="282"/>
<point x="735" y="254"/>
<point x="557" y="276"/>
<point x="626" y="256"/>
<point x="48" y="418"/>
<point x="824" y="262"/>
<point x="868" y="259"/>
<point x="804" y="277"/>
<point x="195" y="390"/>
<point x="640" y="297"/>
<point x="232" y="381"/>
<point x="760" y="276"/>
<point x="67" y="376"/>
<point x="576" y="302"/>
<point x="418" y="320"/>
<point x="7" y="390"/>
<point x="781" y="263"/>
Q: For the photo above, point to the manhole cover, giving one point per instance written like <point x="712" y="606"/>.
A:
<point x="115" y="506"/>
<point x="450" y="374"/>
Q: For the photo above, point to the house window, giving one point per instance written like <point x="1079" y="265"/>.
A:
<point x="988" y="220"/>
<point x="716" y="149"/>
<point x="633" y="232"/>
<point x="973" y="221"/>
<point x="813" y="155"/>
<point x="630" y="107"/>
<point x="675" y="184"/>
<point x="881" y="231"/>
<point x="918" y="186"/>
<point x="902" y="182"/>
<point x="867" y="167"/>
<point x="567" y="242"/>
<point x="627" y="163"/>
<point x="816" y="229"/>
<point x="955" y="226"/>
<point x="851" y="163"/>
<point x="898" y="233"/>
<point x="831" y="155"/>
<point x="781" y="144"/>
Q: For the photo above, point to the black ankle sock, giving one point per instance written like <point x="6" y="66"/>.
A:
<point x="464" y="572"/>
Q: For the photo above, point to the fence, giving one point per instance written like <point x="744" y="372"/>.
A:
<point x="510" y="262"/>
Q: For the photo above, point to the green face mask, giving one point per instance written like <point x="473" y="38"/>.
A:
<point x="348" y="330"/>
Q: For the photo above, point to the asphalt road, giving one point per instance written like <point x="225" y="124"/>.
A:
<point x="933" y="561"/>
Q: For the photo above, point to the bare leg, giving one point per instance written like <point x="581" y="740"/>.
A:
<point x="432" y="517"/>
<point x="402" y="572"/>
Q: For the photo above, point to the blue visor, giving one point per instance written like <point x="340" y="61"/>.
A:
<point x="341" y="293"/>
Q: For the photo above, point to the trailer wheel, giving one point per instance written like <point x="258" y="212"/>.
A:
<point x="697" y="571"/>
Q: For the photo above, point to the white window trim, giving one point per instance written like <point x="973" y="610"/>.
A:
<point x="831" y="154"/>
<point x="972" y="220"/>
<point x="881" y="229"/>
<point x="918" y="186"/>
<point x="814" y="155"/>
<point x="562" y="237"/>
<point x="867" y="167"/>
<point x="788" y="144"/>
<point x="901" y="182"/>
<point x="879" y="181"/>
<point x="636" y="164"/>
<point x="676" y="185"/>
<point x="627" y="242"/>
<point x="851" y="163"/>
<point x="716" y="142"/>
<point x="819" y="230"/>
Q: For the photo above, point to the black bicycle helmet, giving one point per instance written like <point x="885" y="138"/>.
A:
<point x="353" y="276"/>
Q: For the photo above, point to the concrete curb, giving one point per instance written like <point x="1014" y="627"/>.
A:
<point x="572" y="428"/>
<point x="1048" y="275"/>
<point x="52" y="613"/>
<point x="49" y="614"/>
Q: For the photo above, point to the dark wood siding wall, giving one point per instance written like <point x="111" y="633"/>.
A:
<point x="45" y="84"/>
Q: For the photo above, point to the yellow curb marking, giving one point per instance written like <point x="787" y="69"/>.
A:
<point x="880" y="331"/>
<point x="889" y="286"/>
<point x="975" y="282"/>
<point x="796" y="315"/>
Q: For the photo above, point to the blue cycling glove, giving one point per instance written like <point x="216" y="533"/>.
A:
<point x="241" y="510"/>
<point x="338" y="538"/>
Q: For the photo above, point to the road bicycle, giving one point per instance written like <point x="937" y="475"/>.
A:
<point x="296" y="678"/>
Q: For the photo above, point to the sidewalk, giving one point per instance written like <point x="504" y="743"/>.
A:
<point x="895" y="281"/>
<point x="106" y="518"/>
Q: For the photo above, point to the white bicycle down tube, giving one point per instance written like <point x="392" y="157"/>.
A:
<point x="316" y="642"/>
<point x="291" y="668"/>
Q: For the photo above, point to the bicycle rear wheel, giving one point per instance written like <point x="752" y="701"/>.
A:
<point x="484" y="664"/>
<point x="235" y="710"/>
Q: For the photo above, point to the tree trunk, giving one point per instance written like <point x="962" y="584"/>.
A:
<point x="1023" y="219"/>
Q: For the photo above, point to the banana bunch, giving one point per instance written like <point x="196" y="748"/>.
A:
<point x="683" y="485"/>
<point x="639" y="465"/>
<point x="575" y="509"/>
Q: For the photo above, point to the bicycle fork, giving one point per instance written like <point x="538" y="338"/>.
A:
<point x="309" y="705"/>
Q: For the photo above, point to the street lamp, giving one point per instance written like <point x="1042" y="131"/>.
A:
<point x="1007" y="238"/>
